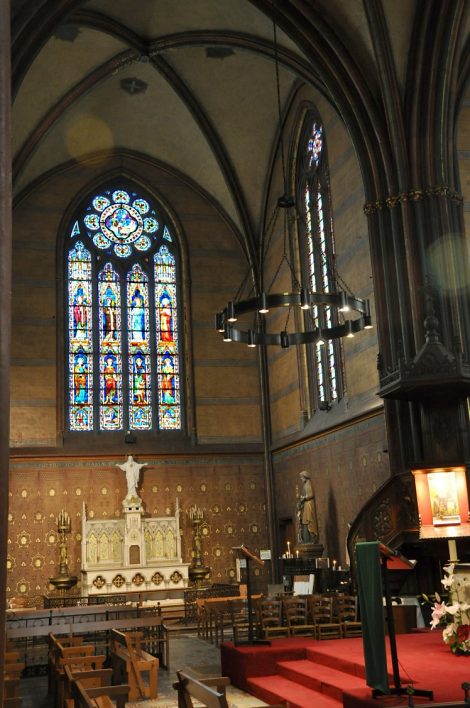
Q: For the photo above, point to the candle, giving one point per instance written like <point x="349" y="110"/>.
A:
<point x="334" y="565"/>
<point x="452" y="550"/>
<point x="297" y="554"/>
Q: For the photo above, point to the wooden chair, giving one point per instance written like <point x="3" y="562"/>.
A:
<point x="221" y="616"/>
<point x="346" y="613"/>
<point x="325" y="626"/>
<point x="296" y="613"/>
<point x="271" y="619"/>
<point x="202" y="619"/>
<point x="240" y="620"/>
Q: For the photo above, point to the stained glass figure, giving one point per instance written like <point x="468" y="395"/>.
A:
<point x="80" y="378"/>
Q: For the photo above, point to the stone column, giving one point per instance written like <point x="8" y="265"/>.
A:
<point x="5" y="303"/>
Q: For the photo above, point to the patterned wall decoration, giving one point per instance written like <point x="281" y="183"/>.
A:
<point x="346" y="467"/>
<point x="229" y="490"/>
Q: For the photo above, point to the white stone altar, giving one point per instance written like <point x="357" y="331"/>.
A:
<point x="133" y="554"/>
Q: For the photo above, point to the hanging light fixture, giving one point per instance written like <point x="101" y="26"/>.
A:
<point x="302" y="297"/>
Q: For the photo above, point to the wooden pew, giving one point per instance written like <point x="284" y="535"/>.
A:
<point x="11" y="693"/>
<point x="53" y="657"/>
<point x="12" y="674"/>
<point x="130" y="662"/>
<point x="66" y="625"/>
<point x="208" y="691"/>
<point x="94" y="678"/>
<point x="101" y="697"/>
<point x="77" y="656"/>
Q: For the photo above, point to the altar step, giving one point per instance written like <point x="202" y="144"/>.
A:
<point x="304" y="683"/>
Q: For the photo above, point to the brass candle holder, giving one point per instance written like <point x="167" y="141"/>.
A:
<point x="197" y="571"/>
<point x="64" y="581"/>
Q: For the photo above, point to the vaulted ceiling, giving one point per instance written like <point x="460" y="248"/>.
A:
<point x="190" y="83"/>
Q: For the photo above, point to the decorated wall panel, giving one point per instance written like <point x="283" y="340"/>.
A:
<point x="229" y="490"/>
<point x="346" y="466"/>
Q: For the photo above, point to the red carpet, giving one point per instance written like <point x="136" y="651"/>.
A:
<point x="331" y="673"/>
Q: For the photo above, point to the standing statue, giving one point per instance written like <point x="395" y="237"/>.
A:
<point x="306" y="511"/>
<point x="132" y="470"/>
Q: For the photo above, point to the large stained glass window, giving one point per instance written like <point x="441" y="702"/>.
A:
<point x="317" y="247"/>
<point x="122" y="316"/>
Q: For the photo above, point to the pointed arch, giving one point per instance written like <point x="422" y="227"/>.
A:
<point x="122" y="343"/>
<point x="317" y="251"/>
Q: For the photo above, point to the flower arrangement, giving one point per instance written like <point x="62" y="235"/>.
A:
<point x="455" y="614"/>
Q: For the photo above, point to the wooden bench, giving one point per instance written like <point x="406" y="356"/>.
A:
<point x="95" y="678"/>
<point x="11" y="693"/>
<point x="208" y="691"/>
<point x="77" y="656"/>
<point x="11" y="676"/>
<point x="53" y="654"/>
<point x="129" y="662"/>
<point x="101" y="697"/>
<point x="66" y="625"/>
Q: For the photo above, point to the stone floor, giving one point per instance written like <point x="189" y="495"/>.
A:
<point x="186" y="650"/>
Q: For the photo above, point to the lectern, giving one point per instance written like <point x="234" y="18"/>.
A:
<point x="243" y="552"/>
<point x="373" y="559"/>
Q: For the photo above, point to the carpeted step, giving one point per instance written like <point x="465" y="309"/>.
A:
<point x="274" y="689"/>
<point x="319" y="677"/>
<point x="328" y="655"/>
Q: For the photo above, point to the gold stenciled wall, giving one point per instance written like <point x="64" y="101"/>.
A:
<point x="230" y="491"/>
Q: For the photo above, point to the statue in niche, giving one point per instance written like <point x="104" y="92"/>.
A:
<point x="306" y="512"/>
<point x="132" y="470"/>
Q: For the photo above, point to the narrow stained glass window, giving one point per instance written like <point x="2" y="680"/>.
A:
<point x="80" y="338"/>
<point x="166" y="308"/>
<point x="317" y="246"/>
<point x="122" y="294"/>
<point x="110" y="339"/>
<point x="140" y="375"/>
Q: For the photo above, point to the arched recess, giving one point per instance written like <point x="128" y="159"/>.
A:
<point x="315" y="232"/>
<point x="151" y="180"/>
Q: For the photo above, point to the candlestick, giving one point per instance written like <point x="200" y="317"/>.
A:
<point x="195" y="513"/>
